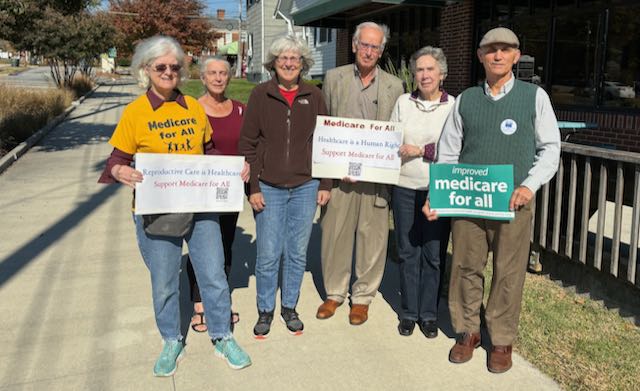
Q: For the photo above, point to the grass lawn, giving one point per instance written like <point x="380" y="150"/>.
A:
<point x="239" y="89"/>
<point x="575" y="340"/>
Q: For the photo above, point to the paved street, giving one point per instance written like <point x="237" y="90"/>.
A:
<point x="76" y="303"/>
<point x="37" y="77"/>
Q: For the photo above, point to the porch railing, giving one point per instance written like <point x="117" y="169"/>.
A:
<point x="590" y="211"/>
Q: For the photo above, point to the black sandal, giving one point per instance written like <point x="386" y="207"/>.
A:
<point x="235" y="317"/>
<point x="199" y="324"/>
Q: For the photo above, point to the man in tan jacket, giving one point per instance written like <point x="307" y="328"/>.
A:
<point x="358" y="210"/>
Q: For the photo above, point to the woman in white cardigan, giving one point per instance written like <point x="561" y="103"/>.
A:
<point x="421" y="244"/>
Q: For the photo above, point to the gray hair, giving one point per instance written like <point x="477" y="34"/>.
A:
<point x="380" y="27"/>
<point x="208" y="60"/>
<point x="151" y="48"/>
<point x="434" y="52"/>
<point x="287" y="43"/>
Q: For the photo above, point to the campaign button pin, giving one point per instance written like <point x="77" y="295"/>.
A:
<point x="508" y="126"/>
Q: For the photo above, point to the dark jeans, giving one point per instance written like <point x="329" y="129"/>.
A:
<point x="422" y="251"/>
<point x="228" y="223"/>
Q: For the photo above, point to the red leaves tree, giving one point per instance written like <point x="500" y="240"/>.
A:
<point x="183" y="20"/>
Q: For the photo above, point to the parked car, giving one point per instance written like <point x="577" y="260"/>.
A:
<point x="614" y="89"/>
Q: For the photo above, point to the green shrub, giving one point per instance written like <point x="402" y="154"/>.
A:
<point x="123" y="61"/>
<point x="403" y="73"/>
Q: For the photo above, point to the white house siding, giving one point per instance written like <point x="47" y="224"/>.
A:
<point x="273" y="28"/>
<point x="254" y="29"/>
<point x="324" y="54"/>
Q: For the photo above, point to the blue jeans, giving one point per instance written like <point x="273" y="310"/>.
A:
<point x="163" y="257"/>
<point x="422" y="249"/>
<point x="283" y="228"/>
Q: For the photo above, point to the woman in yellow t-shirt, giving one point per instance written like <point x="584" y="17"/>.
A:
<point x="153" y="123"/>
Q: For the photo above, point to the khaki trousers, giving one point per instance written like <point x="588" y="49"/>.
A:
<point x="472" y="239"/>
<point x="352" y="215"/>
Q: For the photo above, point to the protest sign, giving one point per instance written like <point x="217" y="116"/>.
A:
<point x="188" y="183"/>
<point x="360" y="149"/>
<point x="467" y="190"/>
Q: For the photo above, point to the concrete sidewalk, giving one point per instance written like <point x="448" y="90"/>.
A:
<point x="76" y="307"/>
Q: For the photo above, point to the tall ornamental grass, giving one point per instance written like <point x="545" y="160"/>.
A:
<point x="23" y="112"/>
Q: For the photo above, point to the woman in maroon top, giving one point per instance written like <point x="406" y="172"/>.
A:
<point x="225" y="116"/>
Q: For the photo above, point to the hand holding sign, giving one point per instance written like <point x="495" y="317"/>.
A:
<point x="177" y="183"/>
<point x="356" y="150"/>
<point x="407" y="150"/>
<point x="468" y="190"/>
<point x="246" y="172"/>
<point x="126" y="175"/>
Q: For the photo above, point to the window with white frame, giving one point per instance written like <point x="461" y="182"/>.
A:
<point x="322" y="36"/>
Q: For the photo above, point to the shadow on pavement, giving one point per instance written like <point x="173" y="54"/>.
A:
<point x="20" y="258"/>
<point x="243" y="249"/>
<point x="76" y="132"/>
<point x="113" y="106"/>
<point x="313" y="261"/>
<point x="76" y="135"/>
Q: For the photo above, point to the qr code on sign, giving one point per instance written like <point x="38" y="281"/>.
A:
<point x="222" y="193"/>
<point x="355" y="169"/>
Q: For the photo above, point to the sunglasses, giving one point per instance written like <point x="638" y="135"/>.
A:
<point x="175" y="68"/>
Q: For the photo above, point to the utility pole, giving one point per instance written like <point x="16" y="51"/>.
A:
<point x="240" y="45"/>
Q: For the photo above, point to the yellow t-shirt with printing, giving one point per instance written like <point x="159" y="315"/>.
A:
<point x="170" y="128"/>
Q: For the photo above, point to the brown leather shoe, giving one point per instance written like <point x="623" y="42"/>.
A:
<point x="358" y="314"/>
<point x="462" y="351"/>
<point x="500" y="359"/>
<point x="327" y="309"/>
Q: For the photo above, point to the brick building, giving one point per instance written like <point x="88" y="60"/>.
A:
<point x="585" y="53"/>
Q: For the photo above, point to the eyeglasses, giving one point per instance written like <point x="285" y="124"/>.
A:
<point x="364" y="46"/>
<point x="215" y="73"/>
<point x="285" y="59"/>
<point x="161" y="68"/>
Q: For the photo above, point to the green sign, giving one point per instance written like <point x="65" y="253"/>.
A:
<point x="469" y="190"/>
<point x="112" y="52"/>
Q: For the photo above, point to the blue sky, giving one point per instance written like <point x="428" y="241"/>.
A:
<point x="230" y="6"/>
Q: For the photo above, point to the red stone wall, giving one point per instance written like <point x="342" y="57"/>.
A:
<point x="618" y="130"/>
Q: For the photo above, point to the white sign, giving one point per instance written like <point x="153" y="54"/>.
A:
<point x="360" y="149"/>
<point x="189" y="183"/>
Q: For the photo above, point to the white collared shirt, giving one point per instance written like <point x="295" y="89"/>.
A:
<point x="547" y="136"/>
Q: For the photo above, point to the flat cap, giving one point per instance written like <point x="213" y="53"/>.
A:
<point x="500" y="35"/>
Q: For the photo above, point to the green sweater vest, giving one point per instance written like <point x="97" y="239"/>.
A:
<point x="501" y="131"/>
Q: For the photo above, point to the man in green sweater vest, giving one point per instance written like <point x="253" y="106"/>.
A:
<point x="506" y="121"/>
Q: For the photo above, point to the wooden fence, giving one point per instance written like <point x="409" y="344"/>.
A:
<point x="590" y="211"/>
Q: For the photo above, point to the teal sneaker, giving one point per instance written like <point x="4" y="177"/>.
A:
<point x="167" y="363"/>
<point x="229" y="350"/>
